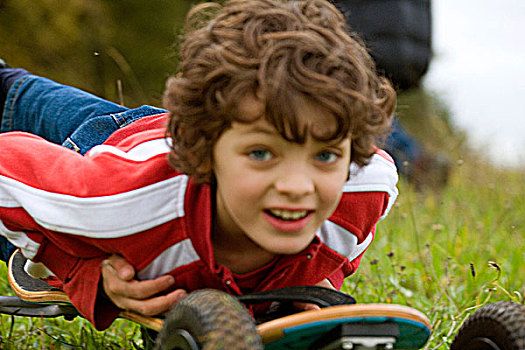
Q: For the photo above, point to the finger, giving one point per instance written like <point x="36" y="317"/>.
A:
<point x="309" y="306"/>
<point x="154" y="306"/>
<point x="121" y="266"/>
<point x="116" y="288"/>
<point x="325" y="283"/>
<point x="305" y="306"/>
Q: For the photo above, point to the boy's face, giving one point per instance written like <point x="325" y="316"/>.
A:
<point x="276" y="193"/>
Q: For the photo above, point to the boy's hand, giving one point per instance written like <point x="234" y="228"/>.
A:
<point x="138" y="296"/>
<point x="308" y="306"/>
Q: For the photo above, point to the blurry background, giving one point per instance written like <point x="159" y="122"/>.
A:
<point x="478" y="70"/>
<point x="93" y="44"/>
<point x="469" y="98"/>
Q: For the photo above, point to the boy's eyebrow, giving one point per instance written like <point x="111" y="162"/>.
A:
<point x="262" y="129"/>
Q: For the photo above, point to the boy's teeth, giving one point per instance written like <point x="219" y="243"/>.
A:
<point x="289" y="215"/>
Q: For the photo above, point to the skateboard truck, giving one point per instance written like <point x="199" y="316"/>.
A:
<point x="349" y="336"/>
<point x="11" y="305"/>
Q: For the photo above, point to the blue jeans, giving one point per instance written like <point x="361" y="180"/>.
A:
<point x="402" y="146"/>
<point x="63" y="115"/>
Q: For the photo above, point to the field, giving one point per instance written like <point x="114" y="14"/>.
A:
<point x="444" y="252"/>
<point x="449" y="253"/>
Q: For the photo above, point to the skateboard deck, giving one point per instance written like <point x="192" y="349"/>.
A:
<point x="373" y="324"/>
<point x="329" y="328"/>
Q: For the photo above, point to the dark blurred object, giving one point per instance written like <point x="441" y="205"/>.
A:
<point x="398" y="34"/>
<point x="419" y="166"/>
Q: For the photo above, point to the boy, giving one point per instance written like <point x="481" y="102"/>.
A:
<point x="253" y="188"/>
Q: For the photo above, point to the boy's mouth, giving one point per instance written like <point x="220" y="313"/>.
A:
<point x="287" y="215"/>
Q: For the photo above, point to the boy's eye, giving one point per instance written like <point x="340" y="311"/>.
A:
<point x="326" y="156"/>
<point x="260" y="154"/>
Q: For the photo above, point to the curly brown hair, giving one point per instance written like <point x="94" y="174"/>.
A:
<point x="283" y="53"/>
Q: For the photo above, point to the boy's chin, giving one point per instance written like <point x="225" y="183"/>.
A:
<point x="287" y="249"/>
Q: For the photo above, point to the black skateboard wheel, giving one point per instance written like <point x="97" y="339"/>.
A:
<point x="496" y="326"/>
<point x="208" y="319"/>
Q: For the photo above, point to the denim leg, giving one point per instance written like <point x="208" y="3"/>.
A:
<point x="8" y="76"/>
<point x="96" y="130"/>
<point x="50" y="110"/>
<point x="6" y="249"/>
<point x="65" y="115"/>
<point x="402" y="146"/>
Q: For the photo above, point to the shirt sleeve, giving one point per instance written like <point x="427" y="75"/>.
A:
<point x="50" y="197"/>
<point x="368" y="196"/>
<point x="81" y="281"/>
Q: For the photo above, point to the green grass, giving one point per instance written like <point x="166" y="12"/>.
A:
<point x="449" y="253"/>
<point x="18" y="333"/>
<point x="445" y="253"/>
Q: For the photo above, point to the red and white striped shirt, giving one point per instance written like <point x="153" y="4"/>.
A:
<point x="70" y="212"/>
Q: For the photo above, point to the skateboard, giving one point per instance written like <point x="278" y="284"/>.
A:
<point x="211" y="319"/>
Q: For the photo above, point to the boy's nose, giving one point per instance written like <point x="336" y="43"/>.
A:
<point x="295" y="181"/>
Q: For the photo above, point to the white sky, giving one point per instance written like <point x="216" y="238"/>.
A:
<point x="479" y="71"/>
